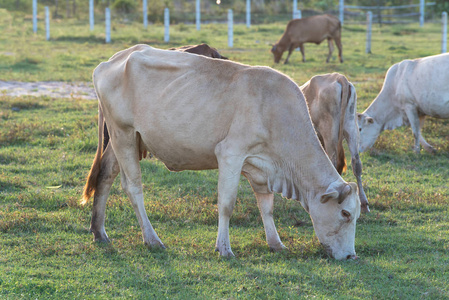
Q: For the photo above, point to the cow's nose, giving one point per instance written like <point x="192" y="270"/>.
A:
<point x="353" y="256"/>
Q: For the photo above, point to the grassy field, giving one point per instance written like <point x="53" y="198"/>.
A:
<point x="47" y="146"/>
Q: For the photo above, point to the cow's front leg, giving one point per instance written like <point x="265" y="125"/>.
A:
<point x="413" y="118"/>
<point x="301" y="47"/>
<point x="108" y="172"/>
<point x="265" y="203"/>
<point x="423" y="142"/>
<point x="290" y="50"/>
<point x="229" y="169"/>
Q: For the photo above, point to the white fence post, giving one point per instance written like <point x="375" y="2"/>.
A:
<point x="47" y="23"/>
<point x="444" y="33"/>
<point x="295" y="8"/>
<point x="297" y="15"/>
<point x="248" y="13"/>
<point x="422" y="4"/>
<point x="34" y="16"/>
<point x="198" y="14"/>
<point x="108" y="24"/>
<point x="342" y="11"/>
<point x="369" y="21"/>
<point x="145" y="13"/>
<point x="91" y="14"/>
<point x="167" y="25"/>
<point x="230" y="29"/>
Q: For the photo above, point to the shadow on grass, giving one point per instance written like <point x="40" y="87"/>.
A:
<point x="10" y="186"/>
<point x="80" y="39"/>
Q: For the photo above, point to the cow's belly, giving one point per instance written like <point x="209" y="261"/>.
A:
<point x="435" y="105"/>
<point x="178" y="164"/>
<point x="181" y="153"/>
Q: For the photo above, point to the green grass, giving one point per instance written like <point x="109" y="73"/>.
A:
<point x="46" y="149"/>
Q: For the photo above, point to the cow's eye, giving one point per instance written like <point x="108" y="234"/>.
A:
<point x="360" y="129"/>
<point x="346" y="214"/>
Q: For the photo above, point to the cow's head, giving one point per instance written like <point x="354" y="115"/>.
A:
<point x="369" y="131"/>
<point x="334" y="218"/>
<point x="277" y="52"/>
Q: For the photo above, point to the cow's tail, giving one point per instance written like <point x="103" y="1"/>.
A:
<point x="345" y="94"/>
<point x="91" y="181"/>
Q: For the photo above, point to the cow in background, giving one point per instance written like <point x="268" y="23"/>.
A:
<point x="187" y="110"/>
<point x="412" y="90"/>
<point x="313" y="29"/>
<point x="332" y="102"/>
<point x="201" y="49"/>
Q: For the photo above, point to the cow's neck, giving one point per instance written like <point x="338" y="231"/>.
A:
<point x="384" y="112"/>
<point x="284" y="42"/>
<point x="305" y="173"/>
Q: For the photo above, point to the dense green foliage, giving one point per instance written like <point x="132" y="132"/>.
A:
<point x="47" y="146"/>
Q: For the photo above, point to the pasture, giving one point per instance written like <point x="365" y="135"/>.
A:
<point x="47" y="146"/>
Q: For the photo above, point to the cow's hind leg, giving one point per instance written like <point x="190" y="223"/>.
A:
<point x="357" y="169"/>
<point x="337" y="40"/>
<point x="423" y="142"/>
<point x="265" y="203"/>
<point x="331" y="49"/>
<point x="229" y="169"/>
<point x="351" y="135"/>
<point x="109" y="169"/>
<point x="127" y="153"/>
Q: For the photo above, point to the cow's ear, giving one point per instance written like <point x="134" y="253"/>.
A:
<point x="331" y="193"/>
<point x="329" y="196"/>
<point x="346" y="191"/>
<point x="370" y="120"/>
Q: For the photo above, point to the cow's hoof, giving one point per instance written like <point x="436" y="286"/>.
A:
<point x="430" y="149"/>
<point x="100" y="236"/>
<point x="225" y="253"/>
<point x="155" y="245"/>
<point x="278" y="248"/>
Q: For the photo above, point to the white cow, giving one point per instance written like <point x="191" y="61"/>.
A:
<point x="332" y="102"/>
<point x="412" y="90"/>
<point x="194" y="112"/>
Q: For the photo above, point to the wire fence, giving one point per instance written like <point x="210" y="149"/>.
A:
<point x="411" y="13"/>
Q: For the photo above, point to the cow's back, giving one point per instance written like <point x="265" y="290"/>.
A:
<point x="331" y="100"/>
<point x="313" y="29"/>
<point x="188" y="103"/>
<point x="422" y="82"/>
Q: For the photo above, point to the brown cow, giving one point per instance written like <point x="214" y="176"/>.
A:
<point x="201" y="49"/>
<point x="187" y="110"/>
<point x="313" y="29"/>
<point x="332" y="102"/>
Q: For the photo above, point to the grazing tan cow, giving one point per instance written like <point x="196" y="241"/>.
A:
<point x="412" y="90"/>
<point x="187" y="110"/>
<point x="332" y="102"/>
<point x="313" y="29"/>
<point x="201" y="49"/>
